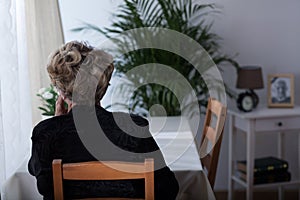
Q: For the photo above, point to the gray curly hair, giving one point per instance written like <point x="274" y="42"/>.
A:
<point x="66" y="62"/>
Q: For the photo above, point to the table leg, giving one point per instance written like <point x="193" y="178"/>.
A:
<point x="231" y="161"/>
<point x="281" y="142"/>
<point x="250" y="158"/>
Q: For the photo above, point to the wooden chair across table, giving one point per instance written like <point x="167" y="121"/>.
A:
<point x="212" y="133"/>
<point x="108" y="170"/>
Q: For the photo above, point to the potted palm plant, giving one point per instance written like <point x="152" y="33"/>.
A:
<point x="184" y="16"/>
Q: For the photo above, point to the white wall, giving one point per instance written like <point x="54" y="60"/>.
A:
<point x="75" y="13"/>
<point x="263" y="32"/>
<point x="266" y="33"/>
<point x="100" y="13"/>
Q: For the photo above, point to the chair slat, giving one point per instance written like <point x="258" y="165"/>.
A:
<point x="211" y="134"/>
<point x="103" y="170"/>
<point x="214" y="135"/>
<point x="216" y="107"/>
<point x="108" y="199"/>
<point x="107" y="170"/>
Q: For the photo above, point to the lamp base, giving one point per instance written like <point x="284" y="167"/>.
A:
<point x="255" y="97"/>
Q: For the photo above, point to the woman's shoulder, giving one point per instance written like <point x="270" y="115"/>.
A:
<point x="48" y="126"/>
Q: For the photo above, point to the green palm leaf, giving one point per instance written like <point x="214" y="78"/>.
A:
<point x="184" y="16"/>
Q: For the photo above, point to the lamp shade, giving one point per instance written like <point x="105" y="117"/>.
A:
<point x="250" y="77"/>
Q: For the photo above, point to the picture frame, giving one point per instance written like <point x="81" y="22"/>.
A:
<point x="281" y="90"/>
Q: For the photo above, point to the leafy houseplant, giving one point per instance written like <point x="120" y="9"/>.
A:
<point x="48" y="96"/>
<point x="184" y="16"/>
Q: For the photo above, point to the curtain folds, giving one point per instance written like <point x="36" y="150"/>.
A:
<point x="15" y="97"/>
<point x="30" y="30"/>
<point x="44" y="34"/>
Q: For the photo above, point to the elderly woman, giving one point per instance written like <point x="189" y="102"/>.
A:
<point x="81" y="74"/>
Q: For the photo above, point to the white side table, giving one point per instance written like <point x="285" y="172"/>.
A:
<point x="263" y="119"/>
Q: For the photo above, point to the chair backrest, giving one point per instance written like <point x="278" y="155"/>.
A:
<point x="105" y="170"/>
<point x="211" y="140"/>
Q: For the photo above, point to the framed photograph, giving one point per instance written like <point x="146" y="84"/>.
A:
<point x="281" y="90"/>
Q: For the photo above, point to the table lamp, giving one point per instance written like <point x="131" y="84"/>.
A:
<point x="249" y="78"/>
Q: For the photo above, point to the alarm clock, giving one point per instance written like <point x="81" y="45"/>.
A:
<point x="246" y="102"/>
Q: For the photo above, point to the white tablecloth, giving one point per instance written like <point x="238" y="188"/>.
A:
<point x="178" y="148"/>
<point x="176" y="141"/>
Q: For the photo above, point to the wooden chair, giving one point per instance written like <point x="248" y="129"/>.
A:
<point x="108" y="170"/>
<point x="212" y="133"/>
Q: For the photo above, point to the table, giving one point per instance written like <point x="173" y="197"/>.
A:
<point x="177" y="144"/>
<point x="176" y="141"/>
<point x="261" y="120"/>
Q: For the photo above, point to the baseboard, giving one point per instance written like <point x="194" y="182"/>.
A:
<point x="258" y="195"/>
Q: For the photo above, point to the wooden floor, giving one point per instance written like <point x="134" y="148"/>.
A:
<point x="259" y="195"/>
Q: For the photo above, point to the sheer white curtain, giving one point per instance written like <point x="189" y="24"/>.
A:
<point x="15" y="94"/>
<point x="29" y="31"/>
<point x="44" y="34"/>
